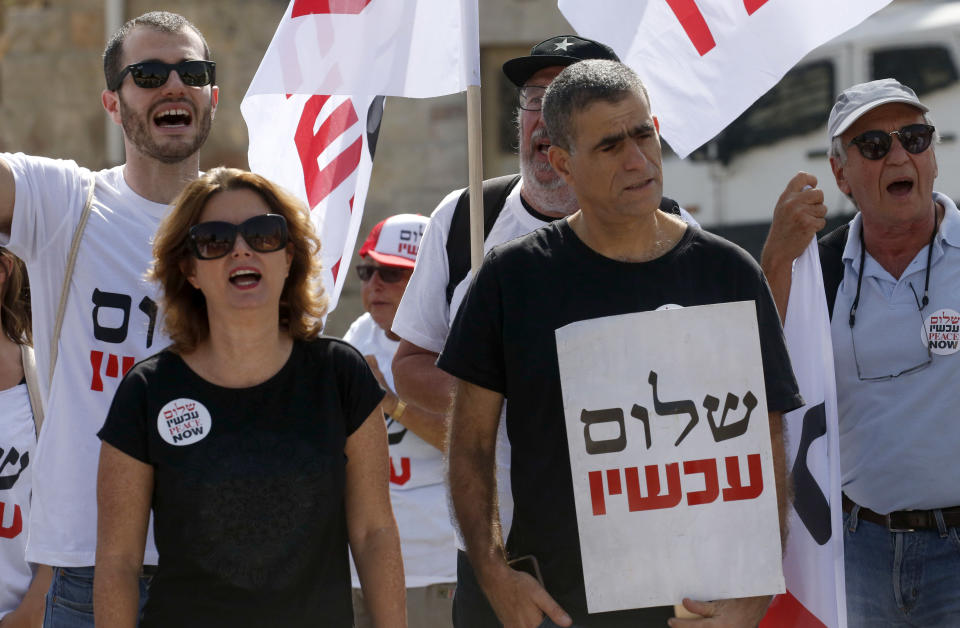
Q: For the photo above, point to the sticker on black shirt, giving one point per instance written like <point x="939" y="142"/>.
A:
<point x="941" y="332"/>
<point x="183" y="422"/>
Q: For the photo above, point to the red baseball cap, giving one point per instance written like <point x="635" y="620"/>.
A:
<point x="396" y="240"/>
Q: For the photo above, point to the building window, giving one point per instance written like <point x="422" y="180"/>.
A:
<point x="925" y="69"/>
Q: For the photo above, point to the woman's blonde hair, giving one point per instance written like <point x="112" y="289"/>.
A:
<point x="15" y="300"/>
<point x="302" y="302"/>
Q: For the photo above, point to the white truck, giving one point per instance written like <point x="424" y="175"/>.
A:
<point x="732" y="183"/>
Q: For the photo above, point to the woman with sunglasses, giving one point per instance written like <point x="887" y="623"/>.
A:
<point x="259" y="445"/>
<point x="416" y="437"/>
<point x="22" y="586"/>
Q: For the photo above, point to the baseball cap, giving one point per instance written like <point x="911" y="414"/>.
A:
<point x="561" y="50"/>
<point x="395" y="241"/>
<point x="855" y="101"/>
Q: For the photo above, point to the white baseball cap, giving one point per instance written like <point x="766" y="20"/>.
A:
<point x="396" y="240"/>
<point x="855" y="101"/>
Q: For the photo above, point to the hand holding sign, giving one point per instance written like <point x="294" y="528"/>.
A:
<point x="747" y="611"/>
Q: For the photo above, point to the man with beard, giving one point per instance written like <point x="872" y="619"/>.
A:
<point x="434" y="293"/>
<point x="92" y="327"/>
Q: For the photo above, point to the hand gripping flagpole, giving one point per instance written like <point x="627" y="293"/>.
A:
<point x="471" y="68"/>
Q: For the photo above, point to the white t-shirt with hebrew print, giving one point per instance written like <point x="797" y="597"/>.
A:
<point x="17" y="442"/>
<point x="424" y="317"/>
<point x="111" y="322"/>
<point x="417" y="491"/>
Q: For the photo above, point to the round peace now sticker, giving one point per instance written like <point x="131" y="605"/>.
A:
<point x="941" y="332"/>
<point x="183" y="422"/>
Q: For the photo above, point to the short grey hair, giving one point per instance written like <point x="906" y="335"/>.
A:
<point x="838" y="149"/>
<point x="580" y="85"/>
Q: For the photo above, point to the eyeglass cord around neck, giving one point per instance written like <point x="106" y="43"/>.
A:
<point x="926" y="281"/>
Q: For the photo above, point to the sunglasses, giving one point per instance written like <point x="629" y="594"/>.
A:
<point x="387" y="274"/>
<point x="153" y="74"/>
<point x="265" y="233"/>
<point x="915" y="139"/>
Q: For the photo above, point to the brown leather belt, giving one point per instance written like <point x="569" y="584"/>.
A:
<point x="906" y="520"/>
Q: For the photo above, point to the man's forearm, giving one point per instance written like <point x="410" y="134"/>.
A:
<point x="779" y="274"/>
<point x="419" y="381"/>
<point x="473" y="488"/>
<point x="473" y="483"/>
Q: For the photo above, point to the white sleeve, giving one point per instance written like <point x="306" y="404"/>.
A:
<point x="423" y="317"/>
<point x="49" y="198"/>
<point x="687" y="218"/>
<point x="353" y="333"/>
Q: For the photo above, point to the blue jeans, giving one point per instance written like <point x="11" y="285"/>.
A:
<point x="901" y="578"/>
<point x="69" y="602"/>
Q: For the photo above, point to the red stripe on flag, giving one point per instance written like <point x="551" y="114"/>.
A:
<point x="693" y="23"/>
<point x="336" y="171"/>
<point x="319" y="183"/>
<point x="752" y="5"/>
<point x="786" y="610"/>
<point x="320" y="7"/>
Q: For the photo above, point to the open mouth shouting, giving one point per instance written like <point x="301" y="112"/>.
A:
<point x="245" y="278"/>
<point x="901" y="186"/>
<point x="173" y="117"/>
<point x="540" y="142"/>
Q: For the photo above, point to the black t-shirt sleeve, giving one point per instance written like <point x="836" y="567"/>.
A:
<point x="473" y="350"/>
<point x="360" y="393"/>
<point x="126" y="425"/>
<point x="783" y="394"/>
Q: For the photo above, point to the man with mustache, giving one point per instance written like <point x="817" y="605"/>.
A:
<point x="537" y="197"/>
<point x="160" y="89"/>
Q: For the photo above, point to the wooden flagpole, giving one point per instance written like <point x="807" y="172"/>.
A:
<point x="475" y="169"/>
<point x="470" y="29"/>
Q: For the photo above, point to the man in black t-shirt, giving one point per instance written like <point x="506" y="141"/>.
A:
<point x="619" y="254"/>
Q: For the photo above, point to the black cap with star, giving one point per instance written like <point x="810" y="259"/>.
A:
<point x="562" y="50"/>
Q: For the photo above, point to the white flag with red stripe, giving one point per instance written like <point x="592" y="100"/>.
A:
<point x="314" y="107"/>
<point x="705" y="61"/>
<point x="813" y="561"/>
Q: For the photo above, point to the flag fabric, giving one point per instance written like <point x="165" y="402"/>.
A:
<point x="813" y="561"/>
<point x="314" y="107"/>
<point x="413" y="48"/>
<point x="704" y="62"/>
<point x="319" y="148"/>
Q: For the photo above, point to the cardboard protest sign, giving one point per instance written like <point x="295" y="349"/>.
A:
<point x="670" y="454"/>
